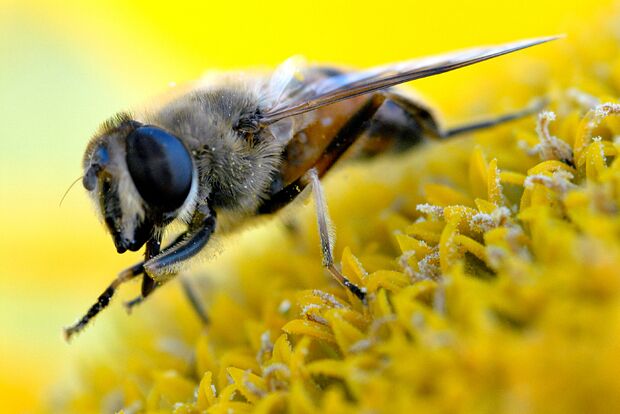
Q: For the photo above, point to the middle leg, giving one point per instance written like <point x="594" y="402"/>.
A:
<point x="344" y="139"/>
<point x="327" y="236"/>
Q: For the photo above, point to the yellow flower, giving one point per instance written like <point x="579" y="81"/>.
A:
<point x="492" y="270"/>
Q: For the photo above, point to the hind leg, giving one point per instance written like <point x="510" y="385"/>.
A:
<point x="402" y="122"/>
<point x="536" y="107"/>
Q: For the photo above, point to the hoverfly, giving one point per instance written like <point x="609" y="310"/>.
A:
<point x="247" y="146"/>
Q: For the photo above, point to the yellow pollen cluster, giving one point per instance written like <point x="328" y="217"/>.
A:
<point x="492" y="270"/>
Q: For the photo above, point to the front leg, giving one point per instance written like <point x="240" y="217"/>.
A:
<point x="103" y="300"/>
<point x="153" y="248"/>
<point x="164" y="266"/>
<point x="158" y="269"/>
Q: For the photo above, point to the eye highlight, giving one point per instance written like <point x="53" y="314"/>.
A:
<point x="160" y="167"/>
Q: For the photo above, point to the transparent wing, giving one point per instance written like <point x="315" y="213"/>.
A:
<point x="284" y="80"/>
<point x="305" y="97"/>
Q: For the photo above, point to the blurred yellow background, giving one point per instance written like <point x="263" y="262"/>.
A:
<point x="67" y="65"/>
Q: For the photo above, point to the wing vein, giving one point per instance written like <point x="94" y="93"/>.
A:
<point x="337" y="88"/>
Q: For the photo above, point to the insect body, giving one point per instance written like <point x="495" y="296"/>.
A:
<point x="245" y="147"/>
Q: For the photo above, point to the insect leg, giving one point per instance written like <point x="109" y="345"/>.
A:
<point x="153" y="248"/>
<point x="431" y="129"/>
<point x="327" y="235"/>
<point x="104" y="299"/>
<point x="343" y="140"/>
<point x="159" y="269"/>
<point x="194" y="300"/>
<point x="487" y="123"/>
<point x="188" y="290"/>
<point x="162" y="267"/>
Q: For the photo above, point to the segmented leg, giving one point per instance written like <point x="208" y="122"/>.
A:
<point x="488" y="123"/>
<point x="430" y="128"/>
<point x="346" y="137"/>
<point x="159" y="268"/>
<point x="152" y="248"/>
<point x="401" y="123"/>
<point x="188" y="291"/>
<point x="327" y="235"/>
<point x="194" y="300"/>
<point x="162" y="267"/>
<point x="103" y="300"/>
<point x="148" y="283"/>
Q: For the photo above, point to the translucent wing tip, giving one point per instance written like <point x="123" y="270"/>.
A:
<point x="522" y="44"/>
<point x="544" y="39"/>
<point x="391" y="75"/>
<point x="491" y="52"/>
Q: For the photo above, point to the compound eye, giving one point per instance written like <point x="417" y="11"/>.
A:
<point x="160" y="166"/>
